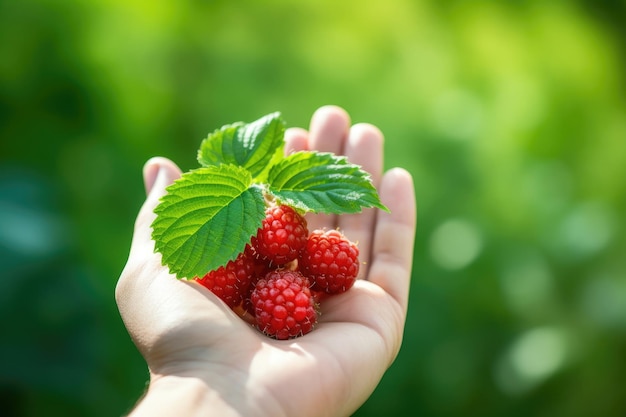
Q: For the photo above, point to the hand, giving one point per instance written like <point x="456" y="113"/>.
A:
<point x="203" y="358"/>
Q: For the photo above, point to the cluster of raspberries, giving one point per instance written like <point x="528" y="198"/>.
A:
<point x="277" y="282"/>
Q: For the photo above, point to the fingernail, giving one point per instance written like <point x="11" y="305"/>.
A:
<point x="151" y="172"/>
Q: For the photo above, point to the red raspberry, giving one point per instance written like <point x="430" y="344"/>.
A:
<point x="282" y="235"/>
<point x="261" y="268"/>
<point x="283" y="305"/>
<point x="261" y="265"/>
<point x="330" y="261"/>
<point x="231" y="282"/>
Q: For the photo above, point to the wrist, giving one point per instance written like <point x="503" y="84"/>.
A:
<point x="187" y="396"/>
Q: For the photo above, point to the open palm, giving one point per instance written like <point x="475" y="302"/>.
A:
<point x="203" y="357"/>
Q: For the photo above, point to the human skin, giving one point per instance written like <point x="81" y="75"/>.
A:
<point x="204" y="360"/>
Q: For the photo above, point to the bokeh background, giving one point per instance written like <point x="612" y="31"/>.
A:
<point x="510" y="115"/>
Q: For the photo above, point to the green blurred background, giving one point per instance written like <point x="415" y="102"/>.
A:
<point x="510" y="115"/>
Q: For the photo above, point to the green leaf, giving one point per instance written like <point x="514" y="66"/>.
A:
<point x="206" y="218"/>
<point x="253" y="146"/>
<point x="322" y="182"/>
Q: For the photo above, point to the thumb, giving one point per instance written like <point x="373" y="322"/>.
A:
<point x="158" y="173"/>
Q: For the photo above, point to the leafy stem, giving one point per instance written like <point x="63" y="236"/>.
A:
<point x="209" y="214"/>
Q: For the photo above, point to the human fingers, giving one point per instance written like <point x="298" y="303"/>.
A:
<point x="158" y="173"/>
<point x="392" y="250"/>
<point x="329" y="129"/>
<point x="328" y="132"/>
<point x="364" y="147"/>
<point x="296" y="139"/>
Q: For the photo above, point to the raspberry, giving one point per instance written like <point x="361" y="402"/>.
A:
<point x="261" y="265"/>
<point x="231" y="282"/>
<point x="283" y="305"/>
<point x="282" y="235"/>
<point x="261" y="268"/>
<point x="330" y="261"/>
